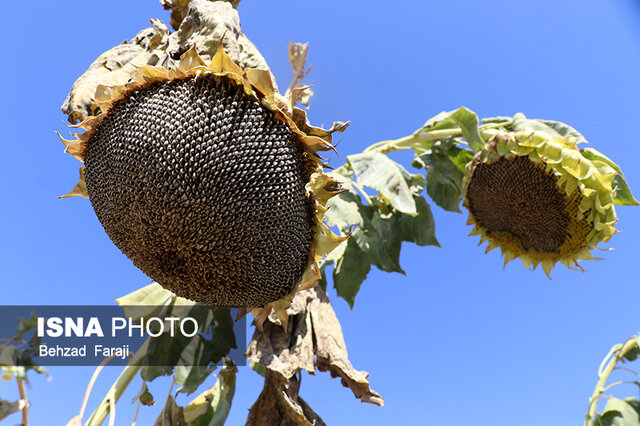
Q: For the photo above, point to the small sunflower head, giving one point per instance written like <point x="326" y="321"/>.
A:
<point x="209" y="181"/>
<point x="538" y="198"/>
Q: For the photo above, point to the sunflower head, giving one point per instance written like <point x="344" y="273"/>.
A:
<point x="538" y="198"/>
<point x="209" y="181"/>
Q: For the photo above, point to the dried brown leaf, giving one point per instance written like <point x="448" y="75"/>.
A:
<point x="289" y="350"/>
<point x="171" y="414"/>
<point x="298" y="92"/>
<point x="203" y="26"/>
<point x="179" y="9"/>
<point x="313" y="332"/>
<point x="115" y="67"/>
<point x="279" y="404"/>
<point x="331" y="350"/>
<point x="7" y="408"/>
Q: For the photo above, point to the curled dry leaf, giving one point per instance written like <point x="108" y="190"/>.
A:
<point x="115" y="67"/>
<point x="298" y="92"/>
<point x="312" y="333"/>
<point x="205" y="22"/>
<point x="7" y="408"/>
<point x="179" y="9"/>
<point x="171" y="414"/>
<point x="280" y="404"/>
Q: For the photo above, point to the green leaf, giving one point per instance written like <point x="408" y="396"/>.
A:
<point x="211" y="408"/>
<point x="623" y="193"/>
<point x="223" y="338"/>
<point x="498" y="120"/>
<point x="380" y="238"/>
<point x="619" y="412"/>
<point x="344" y="210"/>
<point x="379" y="172"/>
<point x="445" y="164"/>
<point x="191" y="357"/>
<point x="190" y="376"/>
<point x="468" y="122"/>
<point x="420" y="229"/>
<point x="444" y="194"/>
<point x="350" y="271"/>
<point x="146" y="302"/>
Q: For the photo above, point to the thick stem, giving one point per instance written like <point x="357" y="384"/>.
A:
<point x="23" y="396"/>
<point x="385" y="147"/>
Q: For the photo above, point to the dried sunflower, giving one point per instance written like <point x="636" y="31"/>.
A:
<point x="209" y="181"/>
<point x="539" y="198"/>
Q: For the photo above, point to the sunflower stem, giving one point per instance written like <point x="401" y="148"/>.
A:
<point x="118" y="388"/>
<point x="23" y="396"/>
<point x="384" y="147"/>
<point x="617" y="353"/>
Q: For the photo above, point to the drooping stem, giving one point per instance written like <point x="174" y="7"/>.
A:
<point x="617" y="353"/>
<point x="23" y="396"/>
<point x="119" y="386"/>
<point x="407" y="142"/>
<point x="92" y="381"/>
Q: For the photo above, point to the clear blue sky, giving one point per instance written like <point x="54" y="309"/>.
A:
<point x="458" y="341"/>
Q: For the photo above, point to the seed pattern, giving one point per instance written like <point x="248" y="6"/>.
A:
<point x="204" y="190"/>
<point x="516" y="196"/>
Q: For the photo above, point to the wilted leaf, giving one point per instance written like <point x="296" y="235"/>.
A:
<point x="379" y="172"/>
<point x="179" y="9"/>
<point x="199" y="24"/>
<point x="631" y="350"/>
<point x="298" y="59"/>
<point x="8" y="408"/>
<point x="113" y="67"/>
<point x="144" y="396"/>
<point x="313" y="330"/>
<point x="344" y="210"/>
<point x="190" y="376"/>
<point x="331" y="350"/>
<point x="285" y="351"/>
<point x="280" y="404"/>
<point x="468" y="122"/>
<point x="211" y="408"/>
<point x="171" y="414"/>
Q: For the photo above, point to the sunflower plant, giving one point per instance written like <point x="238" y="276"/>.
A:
<point x="214" y="184"/>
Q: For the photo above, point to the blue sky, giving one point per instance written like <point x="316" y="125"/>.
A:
<point x="457" y="341"/>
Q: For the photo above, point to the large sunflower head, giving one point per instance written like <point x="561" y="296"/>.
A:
<point x="209" y="181"/>
<point x="538" y="198"/>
